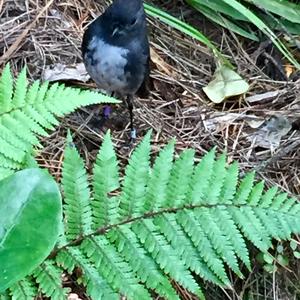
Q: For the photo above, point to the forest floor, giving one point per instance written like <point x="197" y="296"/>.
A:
<point x="42" y="34"/>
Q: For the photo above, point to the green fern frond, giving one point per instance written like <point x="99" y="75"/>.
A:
<point x="193" y="229"/>
<point x="170" y="227"/>
<point x="20" y="90"/>
<point x="216" y="182"/>
<point x="171" y="222"/>
<point x="230" y="183"/>
<point x="268" y="196"/>
<point x="273" y="228"/>
<point x="256" y="193"/>
<point x="234" y="236"/>
<point x="6" y="90"/>
<point x="244" y="189"/>
<point x="203" y="170"/>
<point x="76" y="194"/>
<point x="246" y="225"/>
<point x="291" y="205"/>
<point x="49" y="278"/>
<point x="278" y="201"/>
<point x="166" y="256"/>
<point x="27" y="111"/>
<point x="202" y="238"/>
<point x="219" y="241"/>
<point x="9" y="164"/>
<point x="114" y="268"/>
<point x="106" y="180"/>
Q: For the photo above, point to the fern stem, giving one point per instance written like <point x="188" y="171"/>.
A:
<point x="103" y="230"/>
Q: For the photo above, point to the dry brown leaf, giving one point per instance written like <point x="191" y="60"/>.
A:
<point x="62" y="72"/>
<point x="269" y="134"/>
<point x="160" y="63"/>
<point x="217" y="121"/>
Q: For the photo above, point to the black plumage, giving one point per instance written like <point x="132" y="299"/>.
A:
<point x="116" y="51"/>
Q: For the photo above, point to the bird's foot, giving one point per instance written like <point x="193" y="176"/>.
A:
<point x="129" y="144"/>
<point x="132" y="138"/>
<point x="133" y="134"/>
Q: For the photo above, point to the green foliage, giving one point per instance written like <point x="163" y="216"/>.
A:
<point x="279" y="257"/>
<point x="172" y="220"/>
<point x="185" y="28"/>
<point x="238" y="16"/>
<point x="23" y="289"/>
<point x="31" y="216"/>
<point x="49" y="278"/>
<point x="30" y="110"/>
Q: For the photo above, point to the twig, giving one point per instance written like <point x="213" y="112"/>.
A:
<point x="15" y="46"/>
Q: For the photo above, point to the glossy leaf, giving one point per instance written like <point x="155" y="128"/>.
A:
<point x="30" y="221"/>
<point x="285" y="9"/>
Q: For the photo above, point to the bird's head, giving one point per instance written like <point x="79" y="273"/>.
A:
<point x="125" y="18"/>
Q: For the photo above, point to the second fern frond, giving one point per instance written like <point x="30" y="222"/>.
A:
<point x="30" y="110"/>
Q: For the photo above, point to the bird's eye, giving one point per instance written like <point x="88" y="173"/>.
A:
<point x="133" y="21"/>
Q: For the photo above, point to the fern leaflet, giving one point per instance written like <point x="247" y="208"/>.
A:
<point x="76" y="194"/>
<point x="49" y="278"/>
<point x="106" y="180"/>
<point x="23" y="289"/>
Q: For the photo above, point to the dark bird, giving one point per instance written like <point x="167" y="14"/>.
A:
<point x="116" y="52"/>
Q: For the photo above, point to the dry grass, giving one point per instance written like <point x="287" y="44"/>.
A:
<point x="40" y="33"/>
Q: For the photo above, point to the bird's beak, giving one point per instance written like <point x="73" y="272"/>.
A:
<point x="115" y="31"/>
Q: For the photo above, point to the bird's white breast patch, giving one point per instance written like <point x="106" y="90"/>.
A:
<point x="106" y="66"/>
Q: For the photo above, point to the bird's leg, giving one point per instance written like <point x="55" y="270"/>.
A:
<point x="129" y="101"/>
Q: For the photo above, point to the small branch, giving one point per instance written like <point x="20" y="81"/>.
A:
<point x="15" y="46"/>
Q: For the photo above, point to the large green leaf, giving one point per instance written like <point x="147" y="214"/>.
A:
<point x="219" y="6"/>
<point x="285" y="9"/>
<point x="213" y="13"/>
<point x="30" y="221"/>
